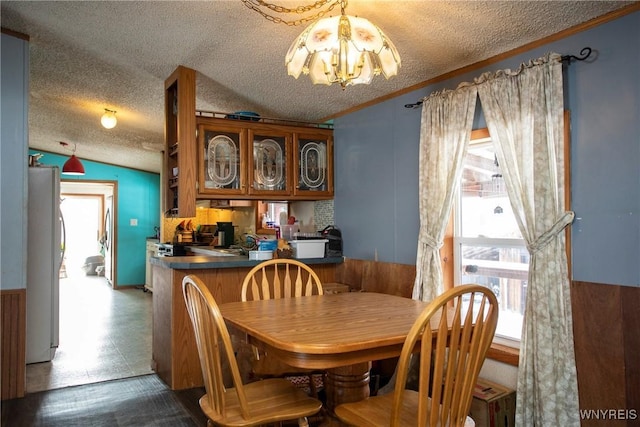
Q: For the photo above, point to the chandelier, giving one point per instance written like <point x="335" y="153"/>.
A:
<point x="340" y="49"/>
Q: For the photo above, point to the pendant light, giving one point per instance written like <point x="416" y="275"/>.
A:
<point x="73" y="165"/>
<point x="343" y="49"/>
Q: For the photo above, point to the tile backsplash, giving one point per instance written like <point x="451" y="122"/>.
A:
<point x="318" y="214"/>
<point x="242" y="219"/>
<point x="323" y="213"/>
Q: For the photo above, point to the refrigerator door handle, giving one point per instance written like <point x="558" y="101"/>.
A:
<point x="63" y="244"/>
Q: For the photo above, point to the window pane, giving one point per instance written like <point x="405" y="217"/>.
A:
<point x="485" y="207"/>
<point x="490" y="250"/>
<point x="503" y="269"/>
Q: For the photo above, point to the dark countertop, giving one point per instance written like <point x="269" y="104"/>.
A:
<point x="193" y="262"/>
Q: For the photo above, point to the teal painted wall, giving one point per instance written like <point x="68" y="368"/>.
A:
<point x="138" y="197"/>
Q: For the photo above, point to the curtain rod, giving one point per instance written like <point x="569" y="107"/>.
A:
<point x="585" y="52"/>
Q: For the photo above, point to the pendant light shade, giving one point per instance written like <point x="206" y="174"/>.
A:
<point x="342" y="49"/>
<point x="73" y="166"/>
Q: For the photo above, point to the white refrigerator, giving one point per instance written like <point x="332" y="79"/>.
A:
<point x="45" y="245"/>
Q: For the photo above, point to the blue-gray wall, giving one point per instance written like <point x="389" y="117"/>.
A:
<point x="138" y="197"/>
<point x="376" y="160"/>
<point x="13" y="161"/>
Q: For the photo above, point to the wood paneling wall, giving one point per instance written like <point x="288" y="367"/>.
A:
<point x="13" y="309"/>
<point x="606" y="324"/>
<point x="374" y="276"/>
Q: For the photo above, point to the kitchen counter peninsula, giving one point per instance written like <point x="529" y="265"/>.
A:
<point x="190" y="262"/>
<point x="174" y="351"/>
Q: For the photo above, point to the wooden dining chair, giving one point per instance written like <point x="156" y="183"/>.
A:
<point x="261" y="402"/>
<point x="280" y="278"/>
<point x="273" y="279"/>
<point x="450" y="359"/>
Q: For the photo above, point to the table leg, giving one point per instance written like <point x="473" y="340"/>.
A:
<point x="346" y="384"/>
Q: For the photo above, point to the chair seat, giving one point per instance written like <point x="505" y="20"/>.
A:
<point x="376" y="411"/>
<point x="271" y="400"/>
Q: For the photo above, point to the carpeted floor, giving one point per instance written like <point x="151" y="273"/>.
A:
<point x="138" y="401"/>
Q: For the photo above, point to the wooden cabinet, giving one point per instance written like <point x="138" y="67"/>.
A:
<point x="211" y="156"/>
<point x="270" y="162"/>
<point x="221" y="170"/>
<point x="180" y="143"/>
<point x="313" y="164"/>
<point x="262" y="161"/>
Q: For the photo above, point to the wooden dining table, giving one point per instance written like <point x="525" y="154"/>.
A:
<point x="339" y="333"/>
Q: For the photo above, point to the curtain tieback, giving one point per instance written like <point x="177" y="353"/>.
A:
<point x="431" y="242"/>
<point x="549" y="235"/>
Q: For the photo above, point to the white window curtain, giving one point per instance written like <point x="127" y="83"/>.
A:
<point x="447" y="119"/>
<point x="524" y="114"/>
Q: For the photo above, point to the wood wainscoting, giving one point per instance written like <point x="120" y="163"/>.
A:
<point x="375" y="276"/>
<point x="13" y="311"/>
<point x="606" y="325"/>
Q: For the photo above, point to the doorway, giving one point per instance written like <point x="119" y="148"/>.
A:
<point x="89" y="209"/>
<point x="104" y="331"/>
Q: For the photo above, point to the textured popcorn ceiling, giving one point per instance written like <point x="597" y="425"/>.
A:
<point x="90" y="55"/>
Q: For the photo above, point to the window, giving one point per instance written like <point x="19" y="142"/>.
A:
<point x="268" y="215"/>
<point x="488" y="247"/>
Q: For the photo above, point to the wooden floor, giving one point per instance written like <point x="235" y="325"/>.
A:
<point x="138" y="401"/>
<point x="130" y="402"/>
<point x="105" y="334"/>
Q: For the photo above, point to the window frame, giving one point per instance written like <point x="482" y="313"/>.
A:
<point x="459" y="240"/>
<point x="500" y="351"/>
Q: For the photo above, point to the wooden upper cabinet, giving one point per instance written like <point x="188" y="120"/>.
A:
<point x="222" y="149"/>
<point x="251" y="160"/>
<point x="180" y="143"/>
<point x="313" y="164"/>
<point x="212" y="155"/>
<point x="270" y="162"/>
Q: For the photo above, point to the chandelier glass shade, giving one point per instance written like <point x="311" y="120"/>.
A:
<point x="342" y="49"/>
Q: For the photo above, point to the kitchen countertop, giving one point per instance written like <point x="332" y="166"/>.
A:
<point x="192" y="262"/>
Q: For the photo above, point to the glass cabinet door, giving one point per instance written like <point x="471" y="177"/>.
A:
<point x="269" y="173"/>
<point x="313" y="165"/>
<point x="222" y="169"/>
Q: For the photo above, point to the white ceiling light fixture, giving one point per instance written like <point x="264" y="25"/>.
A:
<point x="109" y="119"/>
<point x="342" y="49"/>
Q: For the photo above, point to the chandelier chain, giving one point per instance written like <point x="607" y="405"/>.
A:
<point x="330" y="4"/>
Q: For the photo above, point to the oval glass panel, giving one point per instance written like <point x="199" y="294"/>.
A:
<point x="269" y="164"/>
<point x="222" y="167"/>
<point x="313" y="164"/>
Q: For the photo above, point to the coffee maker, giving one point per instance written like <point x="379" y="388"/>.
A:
<point x="225" y="235"/>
